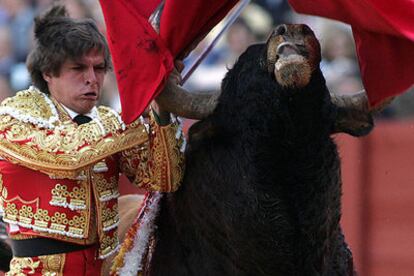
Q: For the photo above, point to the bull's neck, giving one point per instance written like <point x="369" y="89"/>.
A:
<point x="309" y="109"/>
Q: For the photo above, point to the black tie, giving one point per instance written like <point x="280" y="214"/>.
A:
<point x="82" y="119"/>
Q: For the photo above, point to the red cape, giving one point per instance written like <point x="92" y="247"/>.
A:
<point x="143" y="59"/>
<point x="384" y="36"/>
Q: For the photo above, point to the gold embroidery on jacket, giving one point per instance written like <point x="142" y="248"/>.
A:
<point x="108" y="244"/>
<point x="167" y="160"/>
<point x="52" y="265"/>
<point x="110" y="217"/>
<point x="65" y="149"/>
<point x="175" y="155"/>
<point x="106" y="189"/>
<point x="40" y="220"/>
<point x="60" y="196"/>
<point x="46" y="153"/>
<point x="134" y="164"/>
<point x="106" y="193"/>
<point x="3" y="191"/>
<point x="11" y="212"/>
<point x="157" y="165"/>
<point x="22" y="266"/>
<point x="31" y="105"/>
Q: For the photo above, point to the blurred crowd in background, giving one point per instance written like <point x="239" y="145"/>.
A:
<point x="339" y="64"/>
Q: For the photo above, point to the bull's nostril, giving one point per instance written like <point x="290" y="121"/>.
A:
<point x="281" y="29"/>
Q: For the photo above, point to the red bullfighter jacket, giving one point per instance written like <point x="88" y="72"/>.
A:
<point x="60" y="180"/>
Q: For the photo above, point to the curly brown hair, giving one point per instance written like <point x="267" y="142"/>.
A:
<point x="59" y="38"/>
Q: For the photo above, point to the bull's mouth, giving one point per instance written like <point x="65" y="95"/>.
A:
<point x="291" y="68"/>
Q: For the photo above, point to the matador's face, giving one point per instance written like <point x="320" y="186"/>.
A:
<point x="79" y="83"/>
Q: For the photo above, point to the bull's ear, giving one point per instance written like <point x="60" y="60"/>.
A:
<point x="354" y="122"/>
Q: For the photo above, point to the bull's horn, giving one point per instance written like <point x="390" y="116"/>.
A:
<point x="353" y="115"/>
<point x="194" y="105"/>
<point x="357" y="101"/>
<point x="176" y="99"/>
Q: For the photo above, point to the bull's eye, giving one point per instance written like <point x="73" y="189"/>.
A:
<point x="306" y="30"/>
<point x="281" y="30"/>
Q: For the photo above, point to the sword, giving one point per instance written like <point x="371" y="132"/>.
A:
<point x="227" y="22"/>
<point x="155" y="19"/>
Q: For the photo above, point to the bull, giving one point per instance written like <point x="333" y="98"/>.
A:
<point x="262" y="189"/>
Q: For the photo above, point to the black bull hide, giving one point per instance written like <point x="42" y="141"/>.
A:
<point x="262" y="188"/>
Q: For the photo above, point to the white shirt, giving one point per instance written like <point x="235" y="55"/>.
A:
<point x="93" y="114"/>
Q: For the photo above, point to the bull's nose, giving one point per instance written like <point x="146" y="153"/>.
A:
<point x="287" y="49"/>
